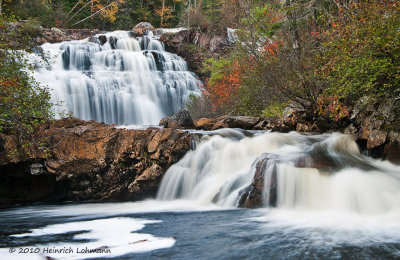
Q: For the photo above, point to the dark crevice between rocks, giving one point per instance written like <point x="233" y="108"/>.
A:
<point x="24" y="183"/>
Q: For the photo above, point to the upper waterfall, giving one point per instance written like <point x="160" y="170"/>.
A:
<point x="116" y="78"/>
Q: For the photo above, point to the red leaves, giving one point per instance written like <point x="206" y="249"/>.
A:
<point x="222" y="91"/>
<point x="332" y="108"/>
<point x="271" y="47"/>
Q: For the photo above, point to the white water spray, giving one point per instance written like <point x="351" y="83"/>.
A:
<point x="325" y="172"/>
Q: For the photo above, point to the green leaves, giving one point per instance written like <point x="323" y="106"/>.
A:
<point x="363" y="50"/>
<point x="23" y="103"/>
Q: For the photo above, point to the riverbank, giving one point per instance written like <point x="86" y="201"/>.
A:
<point x="91" y="161"/>
<point x="86" y="160"/>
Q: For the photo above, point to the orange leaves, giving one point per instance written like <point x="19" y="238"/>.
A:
<point x="222" y="91"/>
<point x="271" y="47"/>
<point x="110" y="12"/>
<point x="332" y="108"/>
<point x="6" y="84"/>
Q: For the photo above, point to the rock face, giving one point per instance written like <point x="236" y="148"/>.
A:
<point x="87" y="160"/>
<point x="194" y="46"/>
<point x="376" y="127"/>
<point x="180" y="120"/>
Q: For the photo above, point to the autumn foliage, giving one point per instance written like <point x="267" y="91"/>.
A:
<point x="319" y="58"/>
<point x="23" y="103"/>
<point x="222" y="89"/>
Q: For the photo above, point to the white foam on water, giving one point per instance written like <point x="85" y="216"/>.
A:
<point x="333" y="228"/>
<point x="93" y="210"/>
<point x="113" y="235"/>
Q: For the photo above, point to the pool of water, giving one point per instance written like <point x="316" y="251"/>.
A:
<point x="184" y="230"/>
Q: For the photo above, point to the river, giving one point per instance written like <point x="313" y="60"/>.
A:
<point x="319" y="197"/>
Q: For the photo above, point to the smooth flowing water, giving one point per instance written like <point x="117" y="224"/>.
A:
<point x="332" y="203"/>
<point x="116" y="78"/>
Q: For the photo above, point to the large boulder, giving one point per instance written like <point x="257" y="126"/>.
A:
<point x="87" y="160"/>
<point x="244" y="122"/>
<point x="180" y="120"/>
<point x="142" y="27"/>
<point x="205" y="123"/>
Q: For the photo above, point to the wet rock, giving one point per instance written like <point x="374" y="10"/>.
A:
<point x="164" y="121"/>
<point x="87" y="160"/>
<point x="113" y="42"/>
<point x="303" y="127"/>
<point x="261" y="125"/>
<point x="102" y="39"/>
<point x="376" y="138"/>
<point x="392" y="149"/>
<point x="377" y="122"/>
<point x="277" y="125"/>
<point x="263" y="189"/>
<point x="55" y="35"/>
<point x="205" y="123"/>
<point x="366" y="129"/>
<point x="148" y="181"/>
<point x="350" y="130"/>
<point x="253" y="195"/>
<point x="244" y="122"/>
<point x="141" y="28"/>
<point x="180" y="120"/>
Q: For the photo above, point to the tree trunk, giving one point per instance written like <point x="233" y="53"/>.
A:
<point x="0" y="6"/>
<point x="162" y="13"/>
<point x="188" y="14"/>
<point x="294" y="32"/>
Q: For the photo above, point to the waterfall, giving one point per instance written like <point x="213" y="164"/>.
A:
<point x="320" y="172"/>
<point x="115" y="78"/>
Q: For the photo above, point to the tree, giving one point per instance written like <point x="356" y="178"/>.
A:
<point x="165" y="13"/>
<point x="23" y="102"/>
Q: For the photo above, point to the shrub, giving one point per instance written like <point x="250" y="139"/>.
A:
<point x="23" y="103"/>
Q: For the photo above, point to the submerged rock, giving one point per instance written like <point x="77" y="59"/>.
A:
<point x="87" y="160"/>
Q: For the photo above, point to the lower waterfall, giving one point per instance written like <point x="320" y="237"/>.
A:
<point x="314" y="172"/>
<point x="321" y="199"/>
<point x="117" y="79"/>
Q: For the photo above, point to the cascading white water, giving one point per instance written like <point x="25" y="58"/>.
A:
<point x="219" y="167"/>
<point x="115" y="78"/>
<point x="324" y="172"/>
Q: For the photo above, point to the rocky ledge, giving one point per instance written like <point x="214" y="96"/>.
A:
<point x="86" y="160"/>
<point x="55" y="35"/>
<point x="375" y="126"/>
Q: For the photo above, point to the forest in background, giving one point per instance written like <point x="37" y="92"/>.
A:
<point x="318" y="57"/>
<point x="119" y="14"/>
